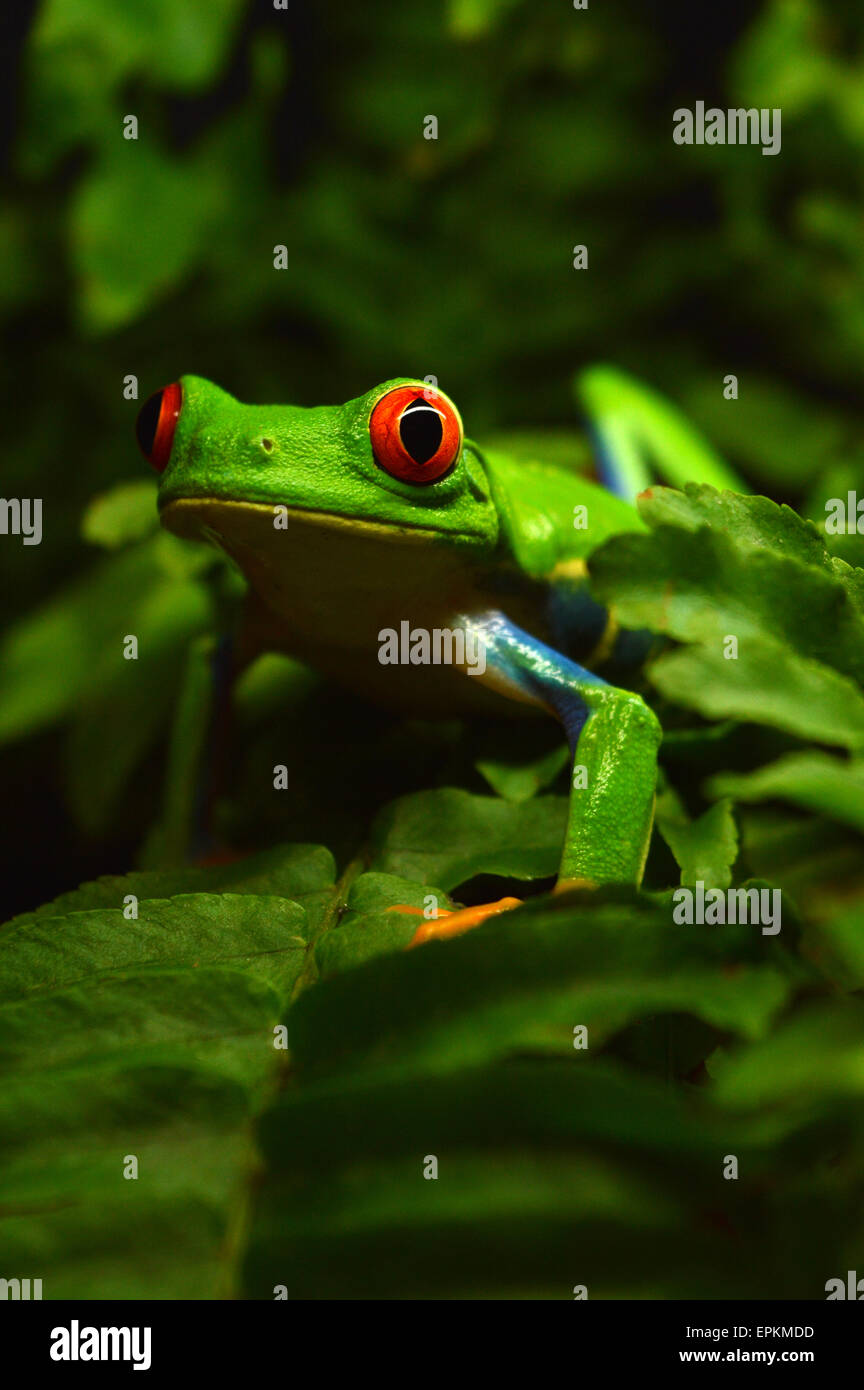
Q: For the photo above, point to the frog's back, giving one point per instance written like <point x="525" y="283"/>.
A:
<point x="552" y="517"/>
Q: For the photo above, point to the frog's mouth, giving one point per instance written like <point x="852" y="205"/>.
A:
<point x="311" y="568"/>
<point x="221" y="520"/>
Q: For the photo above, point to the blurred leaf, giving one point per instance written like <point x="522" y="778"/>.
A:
<point x="82" y="50"/>
<point x="817" y="1054"/>
<point x="814" y="781"/>
<point x="124" y="514"/>
<point x="778" y="436"/>
<point x="134" y="232"/>
<point x="781" y="61"/>
<point x="505" y="1215"/>
<point x="470" y="18"/>
<point x="81" y="635"/>
<point x="838" y="945"/>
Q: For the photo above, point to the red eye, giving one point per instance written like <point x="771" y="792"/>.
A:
<point x="416" y="434"/>
<point x="156" y="423"/>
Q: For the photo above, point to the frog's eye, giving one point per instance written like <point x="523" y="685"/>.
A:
<point x="416" y="434"/>
<point x="156" y="423"/>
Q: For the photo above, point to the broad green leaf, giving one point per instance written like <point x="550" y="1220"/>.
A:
<point x="817" y="1055"/>
<point x="752" y="521"/>
<point x="448" y="836"/>
<point x="707" y="584"/>
<point x="286" y="871"/>
<point x="815" y="781"/>
<point x="152" y="1040"/>
<point x="526" y="978"/>
<point x="767" y="684"/>
<point x="532" y="1163"/>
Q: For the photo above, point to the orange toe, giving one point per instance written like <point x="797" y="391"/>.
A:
<point x="448" y="924"/>
<point x="565" y="884"/>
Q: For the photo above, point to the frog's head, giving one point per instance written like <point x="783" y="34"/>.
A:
<point x="392" y="463"/>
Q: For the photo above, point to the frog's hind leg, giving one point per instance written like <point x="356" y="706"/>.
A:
<point x="613" y="738"/>
<point x="636" y="430"/>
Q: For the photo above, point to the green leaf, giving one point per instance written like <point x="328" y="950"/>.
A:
<point x="780" y="435"/>
<point x="468" y="19"/>
<point x="751" y="521"/>
<point x="149" y="1039"/>
<point x="286" y="871"/>
<point x="506" y="1209"/>
<point x="767" y="684"/>
<point x="526" y="978"/>
<point x="527" y="765"/>
<point x="705" y="584"/>
<point x="706" y="848"/>
<point x="814" y="781"/>
<point x="68" y="655"/>
<point x="448" y="836"/>
<point x="817" y="1055"/>
<point x="369" y="927"/>
<point x="838" y="945"/>
<point x="80" y="51"/>
<point x="121" y="273"/>
<point x="124" y="514"/>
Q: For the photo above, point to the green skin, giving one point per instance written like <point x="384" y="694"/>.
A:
<point x="487" y="549"/>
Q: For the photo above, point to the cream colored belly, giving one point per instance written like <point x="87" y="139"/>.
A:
<point x="325" y="589"/>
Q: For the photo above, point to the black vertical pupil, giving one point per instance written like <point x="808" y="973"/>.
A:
<point x="421" y="430"/>
<point x="147" y="422"/>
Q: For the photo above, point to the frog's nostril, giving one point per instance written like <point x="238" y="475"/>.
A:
<point x="267" y="445"/>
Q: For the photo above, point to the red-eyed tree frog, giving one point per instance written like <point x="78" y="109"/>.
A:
<point x="351" y="521"/>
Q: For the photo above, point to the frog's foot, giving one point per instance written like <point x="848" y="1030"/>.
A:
<point x="564" y="885"/>
<point x="448" y="924"/>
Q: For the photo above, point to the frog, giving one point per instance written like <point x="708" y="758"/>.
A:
<point x="353" y="523"/>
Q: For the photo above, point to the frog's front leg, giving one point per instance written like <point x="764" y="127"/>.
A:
<point x="613" y="738"/>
